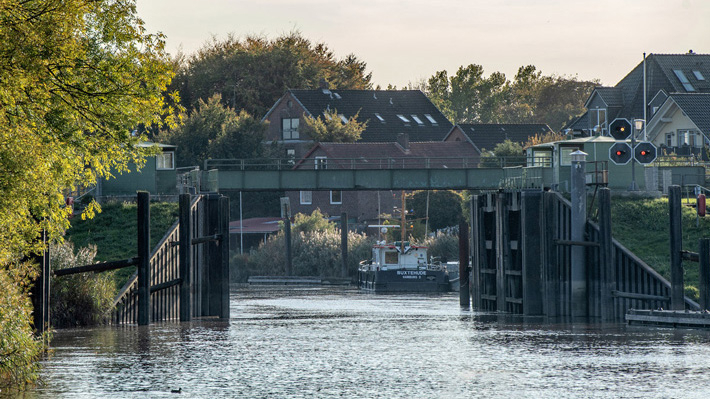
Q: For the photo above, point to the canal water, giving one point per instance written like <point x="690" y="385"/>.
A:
<point x="326" y="343"/>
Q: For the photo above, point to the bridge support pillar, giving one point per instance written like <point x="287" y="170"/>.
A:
<point x="143" y="258"/>
<point x="531" y="243"/>
<point x="464" y="294"/>
<point x="674" y="204"/>
<point x="704" y="266"/>
<point x="606" y="256"/>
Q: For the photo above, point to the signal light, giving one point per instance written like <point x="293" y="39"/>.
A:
<point x="645" y="152"/>
<point x="620" y="128"/>
<point x="620" y="153"/>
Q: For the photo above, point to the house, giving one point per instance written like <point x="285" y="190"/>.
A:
<point x="486" y="136"/>
<point x="681" y="125"/>
<point x="387" y="113"/>
<point x="158" y="176"/>
<point x="366" y="206"/>
<point x="666" y="74"/>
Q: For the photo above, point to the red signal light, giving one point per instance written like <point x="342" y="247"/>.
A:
<point x="618" y="153"/>
<point x="644" y="153"/>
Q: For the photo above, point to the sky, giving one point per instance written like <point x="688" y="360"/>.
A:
<point x="406" y="42"/>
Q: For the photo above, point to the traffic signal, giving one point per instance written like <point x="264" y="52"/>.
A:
<point x="620" y="129"/>
<point x="645" y="152"/>
<point x="620" y="153"/>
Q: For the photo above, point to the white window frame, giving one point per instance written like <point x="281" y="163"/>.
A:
<point x="336" y="202"/>
<point x="669" y="139"/>
<point x="566" y="155"/>
<point x="597" y="120"/>
<point x="290" y="133"/>
<point x="163" y="158"/>
<point x="320" y="163"/>
<point x="305" y="197"/>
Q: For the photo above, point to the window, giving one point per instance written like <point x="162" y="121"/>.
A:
<point x="403" y="118"/>
<point x="597" y="117"/>
<point x="565" y="155"/>
<point x="343" y="118"/>
<point x="291" y="155"/>
<point x="687" y="137"/>
<point x="321" y="163"/>
<point x="165" y="161"/>
<point x="336" y="197"/>
<point x="669" y="139"/>
<point x="306" y="197"/>
<point x="698" y="75"/>
<point x="391" y="257"/>
<point x="289" y="128"/>
<point x="419" y="121"/>
<point x="654" y="110"/>
<point x="380" y="118"/>
<point x="542" y="158"/>
<point x="431" y="119"/>
<point x="683" y="80"/>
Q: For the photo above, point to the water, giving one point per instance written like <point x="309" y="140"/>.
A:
<point x="324" y="343"/>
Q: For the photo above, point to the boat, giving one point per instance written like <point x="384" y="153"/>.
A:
<point x="401" y="267"/>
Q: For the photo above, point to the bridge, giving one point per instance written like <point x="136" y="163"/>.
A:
<point x="376" y="174"/>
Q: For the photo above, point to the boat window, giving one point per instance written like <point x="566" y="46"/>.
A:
<point x="391" y="258"/>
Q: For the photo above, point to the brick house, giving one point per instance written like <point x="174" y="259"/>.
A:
<point x="365" y="206"/>
<point x="387" y="112"/>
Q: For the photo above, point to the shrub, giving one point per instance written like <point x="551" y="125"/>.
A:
<point x="19" y="348"/>
<point x="443" y="246"/>
<point x="79" y="299"/>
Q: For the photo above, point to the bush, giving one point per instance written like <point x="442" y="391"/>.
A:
<point x="443" y="246"/>
<point x="19" y="348"/>
<point x="79" y="299"/>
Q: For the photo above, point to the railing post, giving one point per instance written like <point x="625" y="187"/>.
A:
<point x="676" y="241"/>
<point x="185" y="254"/>
<point x="606" y="256"/>
<point x="704" y="265"/>
<point x="143" y="258"/>
<point x="344" y="243"/>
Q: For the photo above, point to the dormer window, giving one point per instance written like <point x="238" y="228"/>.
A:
<point x="683" y="80"/>
<point x="403" y="118"/>
<point x="419" y="121"/>
<point x="380" y="118"/>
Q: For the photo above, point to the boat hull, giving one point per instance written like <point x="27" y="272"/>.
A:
<point x="403" y="280"/>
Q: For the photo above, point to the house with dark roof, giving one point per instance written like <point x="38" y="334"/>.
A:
<point x="387" y="113"/>
<point x="681" y="125"/>
<point x="366" y="206"/>
<point x="486" y="136"/>
<point x="664" y="74"/>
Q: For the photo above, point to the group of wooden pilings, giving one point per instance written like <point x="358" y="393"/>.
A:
<point x="528" y="259"/>
<point x="186" y="275"/>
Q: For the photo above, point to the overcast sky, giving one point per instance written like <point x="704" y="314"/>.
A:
<point x="406" y="41"/>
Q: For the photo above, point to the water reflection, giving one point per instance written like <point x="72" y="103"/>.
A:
<point x="315" y="342"/>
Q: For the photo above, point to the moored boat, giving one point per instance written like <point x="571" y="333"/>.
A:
<point x="401" y="267"/>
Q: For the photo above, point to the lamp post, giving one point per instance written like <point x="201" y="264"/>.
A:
<point x="638" y="125"/>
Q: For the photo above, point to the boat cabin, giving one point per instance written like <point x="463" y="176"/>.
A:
<point x="391" y="256"/>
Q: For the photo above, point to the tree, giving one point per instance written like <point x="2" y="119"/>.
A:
<point x="76" y="78"/>
<point x="444" y="207"/>
<point x="215" y="131"/>
<point x="252" y="73"/>
<point x="332" y="128"/>
<point x="506" y="153"/>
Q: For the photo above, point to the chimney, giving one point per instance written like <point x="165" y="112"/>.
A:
<point x="403" y="141"/>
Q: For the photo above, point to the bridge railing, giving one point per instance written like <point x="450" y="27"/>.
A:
<point x="377" y="163"/>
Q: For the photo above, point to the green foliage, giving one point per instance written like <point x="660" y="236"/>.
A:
<point x="253" y="72"/>
<point x="469" y="97"/>
<point x="315" y="253"/>
<point x="215" y="131"/>
<point x="315" y="222"/>
<point x="19" y="349"/>
<point x="114" y="232"/>
<point x="80" y="299"/>
<point x="443" y="246"/>
<point x="506" y="153"/>
<point x="444" y="207"/>
<point x="331" y="128"/>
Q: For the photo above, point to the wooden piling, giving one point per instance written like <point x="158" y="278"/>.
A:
<point x="704" y="266"/>
<point x="676" y="244"/>
<point x="464" y="295"/>
<point x="40" y="290"/>
<point x="607" y="272"/>
<point x="214" y="264"/>
<point x="344" y="244"/>
<point x="185" y="254"/>
<point x="531" y="245"/>
<point x="143" y="258"/>
<point x="478" y="245"/>
<point x="224" y="256"/>
<point x="552" y="295"/>
<point x="287" y="244"/>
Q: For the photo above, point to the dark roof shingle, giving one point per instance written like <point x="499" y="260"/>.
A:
<point x="486" y="136"/>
